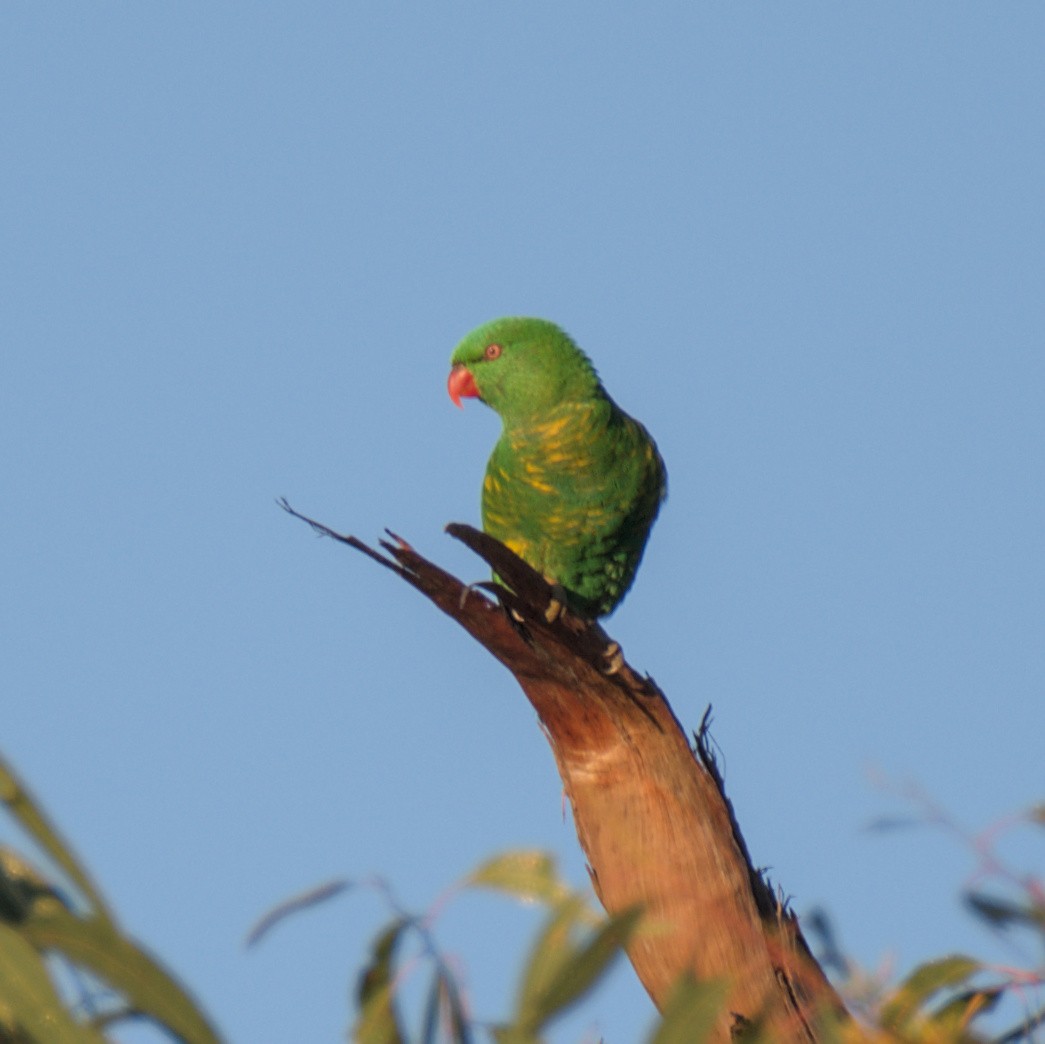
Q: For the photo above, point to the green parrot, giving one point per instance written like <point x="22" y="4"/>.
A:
<point x="573" y="484"/>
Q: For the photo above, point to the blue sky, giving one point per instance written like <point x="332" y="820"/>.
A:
<point x="802" y="242"/>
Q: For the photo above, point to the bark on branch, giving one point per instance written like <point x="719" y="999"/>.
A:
<point x="650" y="810"/>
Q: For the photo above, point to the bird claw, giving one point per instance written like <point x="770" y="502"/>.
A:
<point x="556" y="606"/>
<point x="613" y="658"/>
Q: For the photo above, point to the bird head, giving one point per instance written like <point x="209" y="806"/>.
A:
<point x="522" y="368"/>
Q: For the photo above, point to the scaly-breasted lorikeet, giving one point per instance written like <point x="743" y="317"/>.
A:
<point x="573" y="484"/>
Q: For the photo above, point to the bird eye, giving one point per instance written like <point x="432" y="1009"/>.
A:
<point x="493" y="351"/>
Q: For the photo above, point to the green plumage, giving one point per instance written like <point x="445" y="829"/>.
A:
<point x="573" y="484"/>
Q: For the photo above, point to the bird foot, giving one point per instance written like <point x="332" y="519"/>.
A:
<point x="613" y="658"/>
<point x="556" y="606"/>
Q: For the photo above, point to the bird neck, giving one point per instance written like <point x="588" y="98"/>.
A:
<point x="559" y="430"/>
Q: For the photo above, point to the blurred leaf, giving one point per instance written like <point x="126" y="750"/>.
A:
<point x="21" y="804"/>
<point x="958" y="1012"/>
<point x="691" y="1013"/>
<point x="462" y="1032"/>
<point x="444" y="997"/>
<point x="430" y="1022"/>
<point x="591" y="961"/>
<point x="834" y="1026"/>
<point x="560" y="972"/>
<point x="514" y="1035"/>
<point x="29" y="1002"/>
<point x="1024" y="1029"/>
<point x="295" y="904"/>
<point x="22" y="886"/>
<point x="528" y="875"/>
<point x="93" y="943"/>
<point x="932" y="976"/>
<point x="378" y="1021"/>
<point x="551" y="951"/>
<point x="1001" y="912"/>
<point x="922" y="984"/>
<point x="1037" y="814"/>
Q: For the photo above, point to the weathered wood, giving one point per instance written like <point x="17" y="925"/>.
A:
<point x="650" y="810"/>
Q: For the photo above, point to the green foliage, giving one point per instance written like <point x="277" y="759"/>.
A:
<point x="1004" y="913"/>
<point x="572" y="952"/>
<point x="562" y="967"/>
<point x="378" y="1011"/>
<point x="944" y="1000"/>
<point x="691" y="1013"/>
<point x="63" y="920"/>
<point x="524" y="875"/>
<point x="910" y="1006"/>
<point x="30" y="1008"/>
<point x="41" y="923"/>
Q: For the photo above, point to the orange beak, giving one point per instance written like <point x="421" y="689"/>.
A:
<point x="461" y="385"/>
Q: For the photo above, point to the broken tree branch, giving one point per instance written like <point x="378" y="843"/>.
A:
<point x="650" y="810"/>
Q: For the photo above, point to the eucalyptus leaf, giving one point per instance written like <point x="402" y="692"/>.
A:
<point x="459" y="1025"/>
<point x="295" y="904"/>
<point x="589" y="963"/>
<point x="527" y="875"/>
<point x="691" y="1013"/>
<point x="24" y="807"/>
<point x="430" y="1021"/>
<point x="1001" y="913"/>
<point x="922" y="984"/>
<point x="560" y="970"/>
<point x="93" y="943"/>
<point x="22" y="887"/>
<point x="553" y="949"/>
<point x="959" y="1011"/>
<point x="30" y="1008"/>
<point x="379" y="1021"/>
